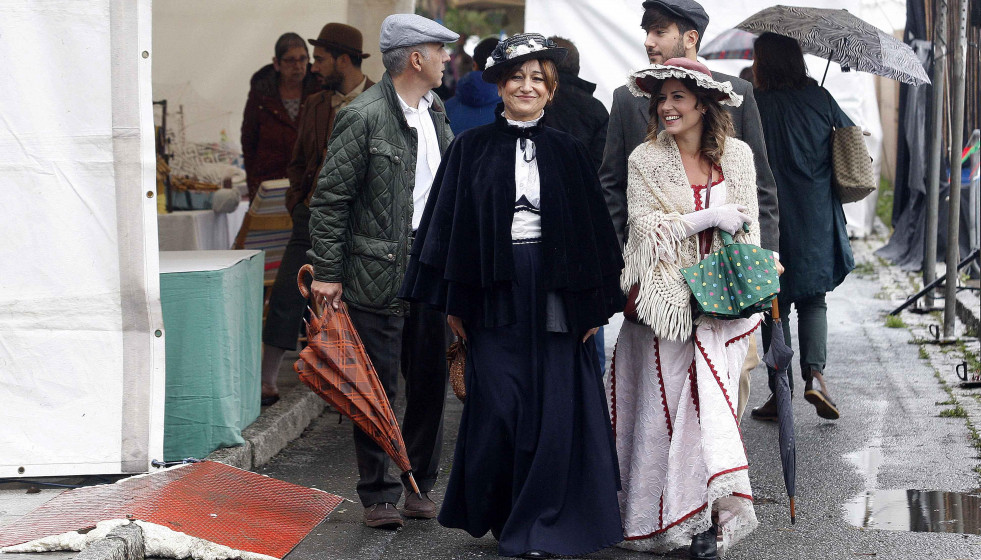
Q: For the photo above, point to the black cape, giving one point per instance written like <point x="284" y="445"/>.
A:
<point x="461" y="260"/>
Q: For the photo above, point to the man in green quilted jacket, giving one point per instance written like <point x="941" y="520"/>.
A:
<point x="382" y="156"/>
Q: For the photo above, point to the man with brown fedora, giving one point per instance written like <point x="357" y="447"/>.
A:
<point x="337" y="57"/>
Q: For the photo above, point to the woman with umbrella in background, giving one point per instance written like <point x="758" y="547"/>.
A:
<point x="517" y="247"/>
<point x="675" y="376"/>
<point x="798" y="117"/>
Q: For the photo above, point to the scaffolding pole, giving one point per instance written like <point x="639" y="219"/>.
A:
<point x="957" y="86"/>
<point x="934" y="160"/>
<point x="972" y="197"/>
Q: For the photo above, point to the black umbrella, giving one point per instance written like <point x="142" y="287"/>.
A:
<point x="778" y="358"/>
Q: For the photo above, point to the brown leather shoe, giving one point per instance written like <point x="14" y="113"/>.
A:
<point x="823" y="405"/>
<point x="383" y="516"/>
<point x="767" y="412"/>
<point x="419" y="508"/>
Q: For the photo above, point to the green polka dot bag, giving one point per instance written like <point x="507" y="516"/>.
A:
<point x="736" y="281"/>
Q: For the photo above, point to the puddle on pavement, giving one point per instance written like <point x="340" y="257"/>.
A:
<point x="922" y="511"/>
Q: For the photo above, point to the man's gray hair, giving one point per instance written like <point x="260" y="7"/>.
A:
<point x="397" y="59"/>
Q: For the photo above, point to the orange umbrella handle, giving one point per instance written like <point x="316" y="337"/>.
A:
<point x="412" y="482"/>
<point x="304" y="290"/>
<point x="774" y="312"/>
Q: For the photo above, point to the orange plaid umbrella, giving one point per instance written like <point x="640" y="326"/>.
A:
<point x="335" y="365"/>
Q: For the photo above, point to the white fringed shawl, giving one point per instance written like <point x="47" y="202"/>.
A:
<point x="658" y="197"/>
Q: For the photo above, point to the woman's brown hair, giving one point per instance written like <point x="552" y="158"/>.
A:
<point x="778" y="63"/>
<point x="716" y="121"/>
<point x="549" y="72"/>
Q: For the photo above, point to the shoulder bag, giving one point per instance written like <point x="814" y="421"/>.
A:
<point x="852" y="174"/>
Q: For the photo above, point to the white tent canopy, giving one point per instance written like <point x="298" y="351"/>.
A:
<point x="81" y="372"/>
<point x="81" y="333"/>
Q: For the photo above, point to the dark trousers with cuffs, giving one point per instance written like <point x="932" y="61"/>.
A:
<point x="416" y="346"/>
<point x="286" y="305"/>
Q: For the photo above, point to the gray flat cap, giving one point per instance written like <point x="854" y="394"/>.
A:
<point x="405" y="30"/>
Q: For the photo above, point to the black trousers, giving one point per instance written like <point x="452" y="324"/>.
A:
<point x="286" y="305"/>
<point x="416" y="346"/>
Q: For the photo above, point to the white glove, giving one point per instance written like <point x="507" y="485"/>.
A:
<point x="728" y="217"/>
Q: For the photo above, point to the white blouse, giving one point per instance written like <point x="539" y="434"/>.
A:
<point x="527" y="221"/>
<point x="718" y="197"/>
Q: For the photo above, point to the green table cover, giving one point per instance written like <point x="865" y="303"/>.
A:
<point x="212" y="312"/>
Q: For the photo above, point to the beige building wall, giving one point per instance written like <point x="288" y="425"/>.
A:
<point x="206" y="52"/>
<point x="888" y="95"/>
<point x="367" y="15"/>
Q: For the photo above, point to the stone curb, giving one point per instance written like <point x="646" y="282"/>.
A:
<point x="967" y="310"/>
<point x="276" y="426"/>
<point x="122" y="543"/>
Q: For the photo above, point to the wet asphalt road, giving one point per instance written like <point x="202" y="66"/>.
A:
<point x="889" y="437"/>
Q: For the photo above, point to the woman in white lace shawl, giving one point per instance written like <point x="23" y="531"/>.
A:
<point x="675" y="377"/>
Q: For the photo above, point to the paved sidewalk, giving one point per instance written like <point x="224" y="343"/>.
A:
<point x="891" y="436"/>
<point x="891" y="390"/>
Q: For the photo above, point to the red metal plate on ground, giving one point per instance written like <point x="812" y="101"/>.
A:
<point x="212" y="501"/>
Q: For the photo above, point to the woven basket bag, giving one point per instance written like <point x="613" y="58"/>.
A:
<point x="852" y="174"/>
<point x="456" y="360"/>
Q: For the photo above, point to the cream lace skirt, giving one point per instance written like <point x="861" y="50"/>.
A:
<point x="680" y="450"/>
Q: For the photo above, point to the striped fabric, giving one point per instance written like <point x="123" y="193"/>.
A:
<point x="267" y="226"/>
<point x="271" y="198"/>
<point x="846" y="39"/>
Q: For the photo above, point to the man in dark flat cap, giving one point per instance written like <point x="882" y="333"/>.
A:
<point x="337" y="60"/>
<point x="382" y="156"/>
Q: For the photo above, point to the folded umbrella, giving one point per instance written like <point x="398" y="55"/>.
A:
<point x="843" y="38"/>
<point x="777" y="358"/>
<point x="336" y="366"/>
<point x="738" y="280"/>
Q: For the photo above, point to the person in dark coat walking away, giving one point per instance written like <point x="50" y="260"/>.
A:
<point x="337" y="57"/>
<point x="576" y="111"/>
<point x="385" y="149"/>
<point x="517" y="247"/>
<point x="475" y="99"/>
<point x="798" y="117"/>
<point x="272" y="111"/>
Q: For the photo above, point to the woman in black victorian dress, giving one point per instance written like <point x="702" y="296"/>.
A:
<point x="517" y="247"/>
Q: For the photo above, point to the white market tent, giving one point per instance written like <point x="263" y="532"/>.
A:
<point x="81" y="372"/>
<point x="81" y="332"/>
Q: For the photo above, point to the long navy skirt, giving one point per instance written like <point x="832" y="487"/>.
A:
<point x="535" y="459"/>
